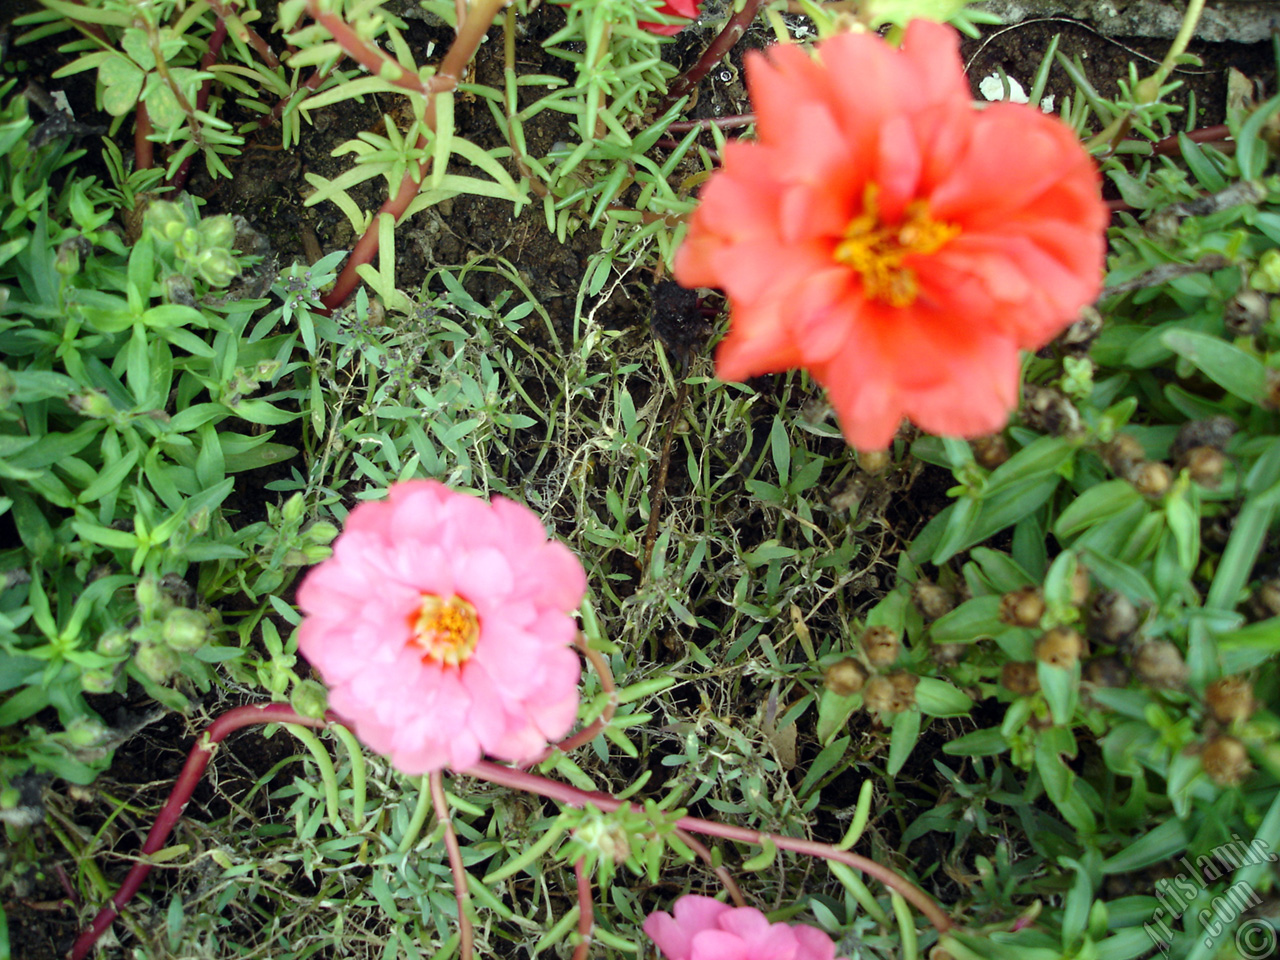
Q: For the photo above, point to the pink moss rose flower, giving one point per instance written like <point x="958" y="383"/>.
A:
<point x="897" y="243"/>
<point x="706" y="929"/>
<point x="442" y="627"/>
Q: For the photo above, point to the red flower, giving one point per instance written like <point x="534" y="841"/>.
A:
<point x="669" y="8"/>
<point x="893" y="240"/>
<point x="673" y="8"/>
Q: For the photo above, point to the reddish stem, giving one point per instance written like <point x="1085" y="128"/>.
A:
<point x="563" y="793"/>
<point x="726" y="878"/>
<point x="464" y="46"/>
<point x="466" y="933"/>
<point x="586" y="911"/>
<point x="371" y="58"/>
<point x="732" y="122"/>
<point x="144" y="151"/>
<point x="722" y="44"/>
<point x="1170" y="145"/>
<point x="249" y="35"/>
<point x="197" y="760"/>
<point x="216" y="40"/>
<point x="240" y="717"/>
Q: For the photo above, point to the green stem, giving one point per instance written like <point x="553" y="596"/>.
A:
<point x="358" y="781"/>
<point x="419" y="816"/>
<point x="1189" y="22"/>
<point x="327" y="775"/>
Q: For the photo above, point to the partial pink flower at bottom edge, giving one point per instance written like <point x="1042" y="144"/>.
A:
<point x="442" y="626"/>
<point x="706" y="929"/>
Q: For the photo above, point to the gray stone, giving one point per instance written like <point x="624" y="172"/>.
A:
<point x="1242" y="21"/>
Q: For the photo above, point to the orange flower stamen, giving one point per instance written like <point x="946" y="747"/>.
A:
<point x="878" y="250"/>
<point x="445" y="631"/>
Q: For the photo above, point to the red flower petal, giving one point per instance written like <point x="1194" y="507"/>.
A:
<point x="893" y="240"/>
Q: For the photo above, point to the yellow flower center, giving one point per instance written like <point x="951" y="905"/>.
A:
<point x="445" y="631"/>
<point x="878" y="250"/>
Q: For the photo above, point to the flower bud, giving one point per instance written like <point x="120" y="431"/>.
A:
<point x="114" y="643"/>
<point x="217" y="232"/>
<point x="1246" y="313"/>
<point x="1124" y="455"/>
<point x="1152" y="479"/>
<point x="179" y="289"/>
<point x="1048" y="410"/>
<point x="1204" y="465"/>
<point x="874" y="461"/>
<point x="292" y="510"/>
<point x="1106" y="672"/>
<point x="931" y="600"/>
<point x="949" y="654"/>
<point x="1019" y="678"/>
<point x="609" y="839"/>
<point x="157" y="661"/>
<point x="878" y="695"/>
<point x="166" y="219"/>
<point x="309" y="699"/>
<point x="1266" y="599"/>
<point x="1230" y="700"/>
<point x="148" y="594"/>
<point x="1266" y="275"/>
<point x="98" y="680"/>
<point x="186" y="630"/>
<point x="1060" y="647"/>
<point x="1113" y="618"/>
<point x="881" y="645"/>
<point x="1271" y="389"/>
<point x="198" y="522"/>
<point x="315" y="552"/>
<point x="990" y="451"/>
<point x="1022" y="607"/>
<point x="904" y="690"/>
<point x="188" y="243"/>
<point x="86" y="731"/>
<point x="217" y="267"/>
<point x="1078" y="337"/>
<point x="1160" y="664"/>
<point x="67" y="262"/>
<point x="1080" y="585"/>
<point x="1226" y="761"/>
<point x="845" y="677"/>
<point x="321" y="532"/>
<point x="93" y="404"/>
<point x="1077" y="379"/>
<point x="895" y="693"/>
<point x="1213" y="432"/>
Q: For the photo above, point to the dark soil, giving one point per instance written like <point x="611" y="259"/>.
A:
<point x="268" y="188"/>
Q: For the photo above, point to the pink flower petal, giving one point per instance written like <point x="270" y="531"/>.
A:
<point x="503" y="595"/>
<point x="706" y="929"/>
